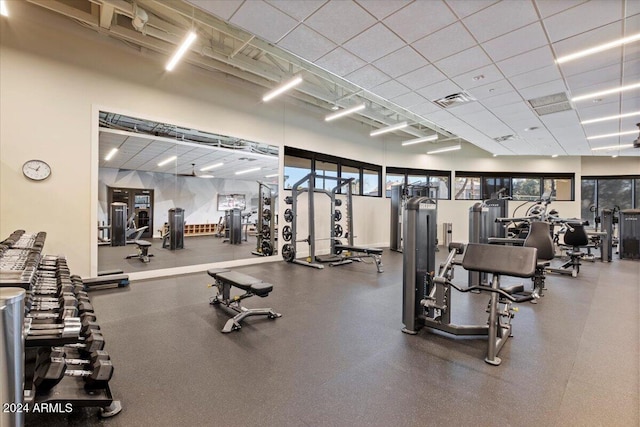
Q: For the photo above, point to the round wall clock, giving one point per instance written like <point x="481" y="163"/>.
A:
<point x="36" y="170"/>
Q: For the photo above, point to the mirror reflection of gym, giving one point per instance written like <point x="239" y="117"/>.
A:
<point x="171" y="196"/>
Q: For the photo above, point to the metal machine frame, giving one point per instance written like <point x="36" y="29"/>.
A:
<point x="400" y="193"/>
<point x="266" y="243"/>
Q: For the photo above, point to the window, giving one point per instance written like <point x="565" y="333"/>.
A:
<point x="613" y="193"/>
<point x="442" y="184"/>
<point x="588" y="190"/>
<point x="352" y="172"/>
<point x="560" y="189"/>
<point x="491" y="186"/>
<point x="370" y="182"/>
<point x="295" y="168"/>
<point x="327" y="169"/>
<point x="393" y="179"/>
<point x="468" y="188"/>
<point x="525" y="189"/>
<point x="417" y="180"/>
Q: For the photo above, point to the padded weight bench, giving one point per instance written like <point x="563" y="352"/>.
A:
<point x="507" y="241"/>
<point x="224" y="280"/>
<point x="356" y="253"/>
<point x="143" y="251"/>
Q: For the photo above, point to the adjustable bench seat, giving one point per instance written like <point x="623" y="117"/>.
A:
<point x="506" y="241"/>
<point x="143" y="249"/>
<point x="355" y="254"/>
<point x="225" y="279"/>
<point x="359" y="249"/>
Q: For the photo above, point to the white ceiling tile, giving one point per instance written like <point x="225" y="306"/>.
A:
<point x="425" y="108"/>
<point x="422" y="77"/>
<point x="596" y="88"/>
<point x="306" y="43"/>
<point x="340" y="62"/>
<point x="537" y="58"/>
<point x="536" y="77"/>
<point x="464" y="8"/>
<point x="263" y="20"/>
<point x="561" y="119"/>
<point x="543" y="89"/>
<point x="631" y="104"/>
<point x="462" y="110"/>
<point x="516" y="42"/>
<point x="492" y="89"/>
<point x="374" y="43"/>
<point x="519" y="125"/>
<point x="299" y="10"/>
<point x="500" y="100"/>
<point x="631" y="70"/>
<point x="629" y="123"/>
<point x="594" y="111"/>
<point x="582" y="18"/>
<point x="463" y="62"/>
<point x="596" y="62"/>
<point x="220" y="8"/>
<point x="419" y="19"/>
<point x="510" y="15"/>
<point x="486" y="75"/>
<point x="588" y="39"/>
<point x="340" y="20"/>
<point x="522" y="120"/>
<point x="440" y="89"/>
<point x="551" y="7"/>
<point x="390" y="89"/>
<point x="382" y="9"/>
<point x="439" y="116"/>
<point x="408" y="100"/>
<point x="367" y="77"/>
<point x="445" y="42"/>
<point x="603" y="128"/>
<point x="400" y="62"/>
<point x="518" y="109"/>
<point x="590" y="78"/>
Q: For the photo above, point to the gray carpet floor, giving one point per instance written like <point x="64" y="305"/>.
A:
<point x="337" y="356"/>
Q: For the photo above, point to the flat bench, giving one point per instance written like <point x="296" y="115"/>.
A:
<point x="143" y="250"/>
<point x="356" y="253"/>
<point x="226" y="279"/>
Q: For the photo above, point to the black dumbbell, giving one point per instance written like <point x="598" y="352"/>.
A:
<point x="70" y="327"/>
<point x="51" y="370"/>
<point x="92" y="342"/>
<point x="44" y="304"/>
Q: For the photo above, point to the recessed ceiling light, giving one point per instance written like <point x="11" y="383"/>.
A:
<point x="3" y="8"/>
<point x="614" y="156"/>
<point x="531" y="128"/>
<point x="606" y="92"/>
<point x="495" y="155"/>
<point x="599" y="48"/>
<point x="554" y="155"/>
<point x="602" y="119"/>
<point x="478" y="77"/>
<point x="595" y="101"/>
<point x="629" y="132"/>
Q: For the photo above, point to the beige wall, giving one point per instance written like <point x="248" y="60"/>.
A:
<point x="55" y="76"/>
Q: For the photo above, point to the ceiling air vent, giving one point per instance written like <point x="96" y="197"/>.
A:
<point x="504" y="138"/>
<point x="455" y="99"/>
<point x="550" y="104"/>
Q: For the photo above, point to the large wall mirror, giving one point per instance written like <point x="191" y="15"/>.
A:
<point x="170" y="196"/>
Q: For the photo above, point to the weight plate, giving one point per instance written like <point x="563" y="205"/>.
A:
<point x="288" y="253"/>
<point x="288" y="215"/>
<point x="337" y="230"/>
<point x="337" y="215"/>
<point x="266" y="201"/>
<point x="286" y="233"/>
<point x="337" y="242"/>
<point x="267" y="249"/>
<point x="338" y="202"/>
<point x="266" y="231"/>
<point x="266" y="214"/>
<point x="288" y="200"/>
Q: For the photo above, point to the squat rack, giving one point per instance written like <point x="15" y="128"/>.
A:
<point x="289" y="249"/>
<point x="266" y="232"/>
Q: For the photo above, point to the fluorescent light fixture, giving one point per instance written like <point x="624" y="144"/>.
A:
<point x="612" y="147"/>
<point x="629" y="132"/>
<point x="614" y="156"/>
<point x="391" y="128"/>
<point x="445" y="149"/>
<point x="606" y="92"/>
<point x="433" y="137"/>
<point x="3" y="8"/>
<point x="191" y="37"/>
<point x="604" y="119"/>
<point x="206" y="176"/>
<point x="167" y="161"/>
<point x="282" y="88"/>
<point x="344" y="112"/>
<point x="247" y="171"/>
<point x="495" y="155"/>
<point x="206" y="168"/>
<point x="111" y="154"/>
<point x="599" y="48"/>
<point x="271" y="176"/>
<point x="554" y="155"/>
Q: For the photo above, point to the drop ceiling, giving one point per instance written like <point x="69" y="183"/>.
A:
<point x="401" y="56"/>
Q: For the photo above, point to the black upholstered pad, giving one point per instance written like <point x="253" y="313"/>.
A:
<point x="368" y="251"/>
<point x="238" y="280"/>
<point x="506" y="241"/>
<point x="261" y="288"/>
<point x="507" y="260"/>
<point x="213" y="272"/>
<point x="513" y="289"/>
<point x="142" y="243"/>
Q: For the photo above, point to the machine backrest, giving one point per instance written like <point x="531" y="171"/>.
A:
<point x="539" y="237"/>
<point x="506" y="260"/>
<point x="577" y="237"/>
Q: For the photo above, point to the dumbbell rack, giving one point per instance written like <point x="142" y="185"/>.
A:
<point x="53" y="300"/>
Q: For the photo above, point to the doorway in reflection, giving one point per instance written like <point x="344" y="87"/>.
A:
<point x="158" y="169"/>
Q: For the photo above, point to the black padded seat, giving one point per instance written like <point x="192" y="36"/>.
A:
<point x="508" y="260"/>
<point x="239" y="280"/>
<point x="368" y="251"/>
<point x="261" y="289"/>
<point x="513" y="289"/>
<point x="506" y="241"/>
<point x="142" y="243"/>
<point x="213" y="272"/>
